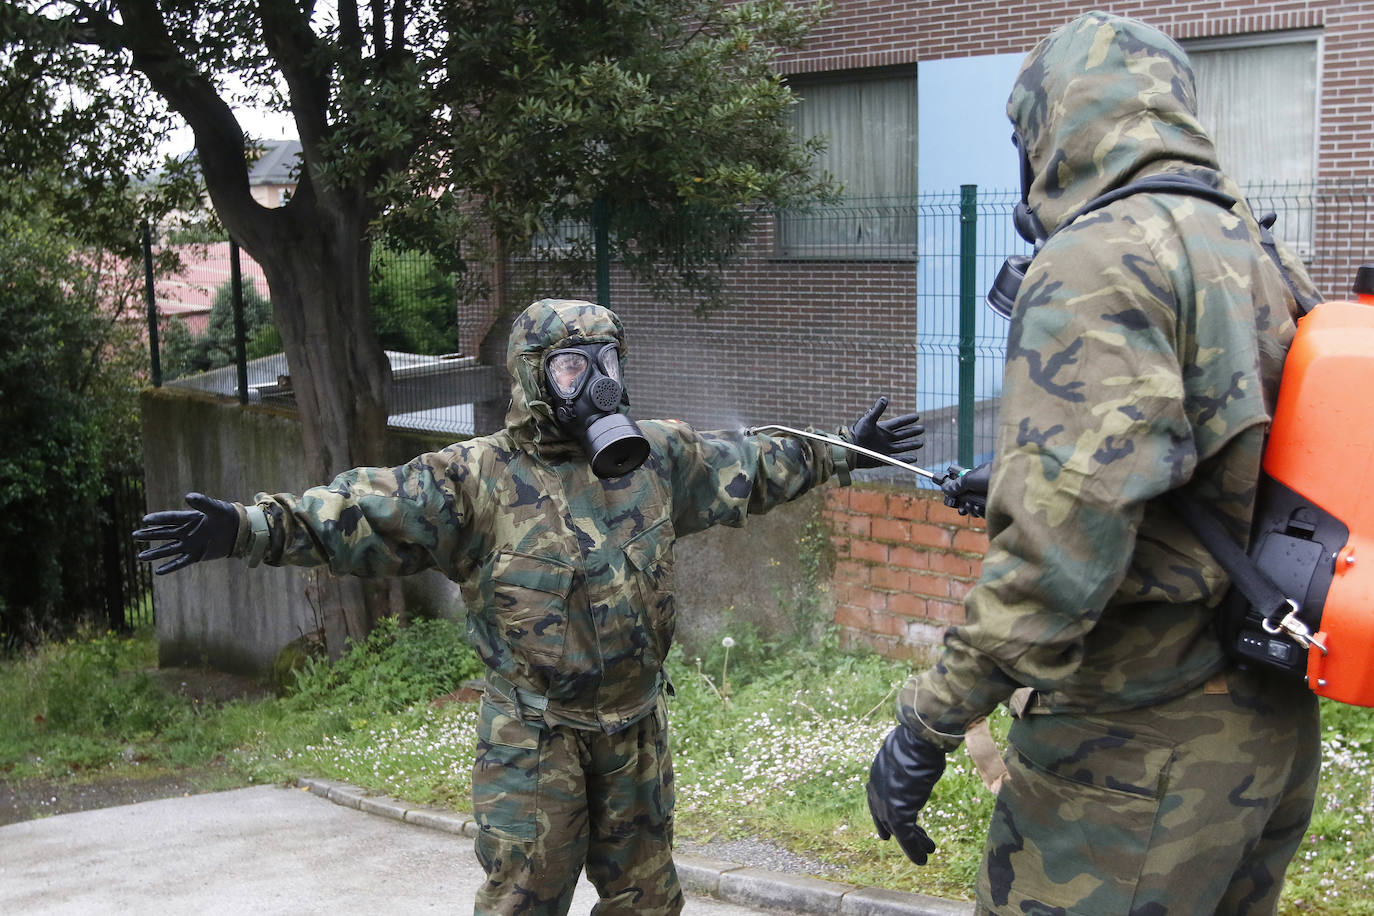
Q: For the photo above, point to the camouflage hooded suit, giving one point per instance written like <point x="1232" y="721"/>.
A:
<point x="568" y="584"/>
<point x="1143" y="356"/>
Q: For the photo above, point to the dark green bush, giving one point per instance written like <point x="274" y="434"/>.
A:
<point x="94" y="688"/>
<point x="395" y="667"/>
<point x="68" y="408"/>
<point x="414" y="303"/>
<point x="185" y="354"/>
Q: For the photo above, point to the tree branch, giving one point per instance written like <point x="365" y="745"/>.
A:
<point x="187" y="91"/>
<point x="399" y="12"/>
<point x="379" y="20"/>
<point x="350" y="33"/>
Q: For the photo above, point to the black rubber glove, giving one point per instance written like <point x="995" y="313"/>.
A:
<point x="899" y="783"/>
<point x="898" y="437"/>
<point x="967" y="491"/>
<point x="206" y="531"/>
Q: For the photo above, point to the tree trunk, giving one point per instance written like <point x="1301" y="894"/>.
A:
<point x="316" y="264"/>
<point x="339" y="373"/>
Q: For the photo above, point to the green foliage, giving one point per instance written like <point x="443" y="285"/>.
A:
<point x="414" y="303"/>
<point x="101" y="686"/>
<point x="185" y="354"/>
<point x="394" y="667"/>
<point x="68" y="407"/>
<point x="83" y="124"/>
<point x="78" y="704"/>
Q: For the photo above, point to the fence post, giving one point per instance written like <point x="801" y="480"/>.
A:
<point x="968" y="315"/>
<point x="601" y="234"/>
<point x="152" y="304"/>
<point x="240" y="331"/>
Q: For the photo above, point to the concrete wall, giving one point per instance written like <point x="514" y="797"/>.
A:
<point x="222" y="615"/>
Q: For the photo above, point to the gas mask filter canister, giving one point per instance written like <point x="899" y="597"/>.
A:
<point x="587" y="390"/>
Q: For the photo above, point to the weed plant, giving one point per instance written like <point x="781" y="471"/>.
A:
<point x="781" y="753"/>
<point x="80" y="705"/>
<point x="395" y="667"/>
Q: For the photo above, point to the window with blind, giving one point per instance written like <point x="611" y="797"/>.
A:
<point x="869" y="124"/>
<point x="1258" y="98"/>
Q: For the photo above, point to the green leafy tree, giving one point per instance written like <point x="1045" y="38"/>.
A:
<point x="68" y="402"/>
<point x="414" y="302"/>
<point x="449" y="124"/>
<point x="184" y="353"/>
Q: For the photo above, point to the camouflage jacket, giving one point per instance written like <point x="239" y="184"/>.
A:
<point x="1144" y="354"/>
<point x="567" y="578"/>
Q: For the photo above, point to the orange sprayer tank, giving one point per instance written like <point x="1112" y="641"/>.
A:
<point x="1321" y="446"/>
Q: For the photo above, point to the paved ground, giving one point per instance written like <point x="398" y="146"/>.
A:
<point x="272" y="850"/>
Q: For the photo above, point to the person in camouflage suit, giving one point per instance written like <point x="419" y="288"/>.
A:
<point x="568" y="583"/>
<point x="1145" y="774"/>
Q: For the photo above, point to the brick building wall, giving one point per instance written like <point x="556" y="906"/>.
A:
<point x="860" y="34"/>
<point x="809" y="342"/>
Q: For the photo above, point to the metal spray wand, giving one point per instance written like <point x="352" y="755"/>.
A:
<point x="835" y="440"/>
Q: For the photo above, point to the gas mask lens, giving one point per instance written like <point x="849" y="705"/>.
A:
<point x="567" y="368"/>
<point x="610" y="363"/>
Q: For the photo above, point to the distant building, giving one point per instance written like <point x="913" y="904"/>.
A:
<point x="272" y="180"/>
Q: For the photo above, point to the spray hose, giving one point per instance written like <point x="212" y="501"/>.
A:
<point x="842" y="443"/>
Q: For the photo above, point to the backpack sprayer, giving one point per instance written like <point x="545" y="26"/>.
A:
<point x="1302" y="600"/>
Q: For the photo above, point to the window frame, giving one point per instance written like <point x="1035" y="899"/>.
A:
<point x="855" y="251"/>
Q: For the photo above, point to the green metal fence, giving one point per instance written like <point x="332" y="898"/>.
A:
<point x="950" y="245"/>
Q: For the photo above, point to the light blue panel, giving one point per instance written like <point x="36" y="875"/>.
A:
<point x="964" y="138"/>
<point x="964" y="135"/>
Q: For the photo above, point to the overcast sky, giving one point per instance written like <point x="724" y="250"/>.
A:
<point x="261" y="125"/>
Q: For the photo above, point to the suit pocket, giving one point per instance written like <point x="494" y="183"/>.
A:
<point x="529" y="604"/>
<point x="505" y="776"/>
<point x="1074" y="818"/>
<point x="650" y="555"/>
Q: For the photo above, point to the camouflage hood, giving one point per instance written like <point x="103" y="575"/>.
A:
<point x="548" y="325"/>
<point x="1100" y="102"/>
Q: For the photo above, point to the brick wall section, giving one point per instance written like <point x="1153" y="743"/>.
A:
<point x="811" y="343"/>
<point x="903" y="564"/>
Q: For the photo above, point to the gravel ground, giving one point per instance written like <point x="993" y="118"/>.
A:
<point x="758" y="854"/>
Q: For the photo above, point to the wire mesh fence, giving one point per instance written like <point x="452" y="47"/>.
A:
<point x="874" y="294"/>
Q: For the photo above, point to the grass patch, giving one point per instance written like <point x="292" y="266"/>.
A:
<point x="770" y="741"/>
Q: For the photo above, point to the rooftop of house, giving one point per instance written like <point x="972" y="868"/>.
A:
<point x="278" y="164"/>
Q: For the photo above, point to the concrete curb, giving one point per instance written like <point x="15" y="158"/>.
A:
<point x="723" y="880"/>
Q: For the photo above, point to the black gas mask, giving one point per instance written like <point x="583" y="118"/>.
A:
<point x="1002" y="296"/>
<point x="587" y="390"/>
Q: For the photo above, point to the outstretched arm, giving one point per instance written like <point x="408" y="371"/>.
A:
<point x="209" y="530"/>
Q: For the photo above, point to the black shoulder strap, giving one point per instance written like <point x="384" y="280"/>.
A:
<point x="1271" y="248"/>
<point x="1190" y="185"/>
<point x="1193" y="186"/>
<point x="1263" y="595"/>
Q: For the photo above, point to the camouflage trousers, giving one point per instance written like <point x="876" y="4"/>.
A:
<point x="549" y="800"/>
<point x="1195" y="805"/>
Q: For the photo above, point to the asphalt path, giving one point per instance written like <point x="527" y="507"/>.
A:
<point x="330" y="848"/>
<point x="259" y="851"/>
